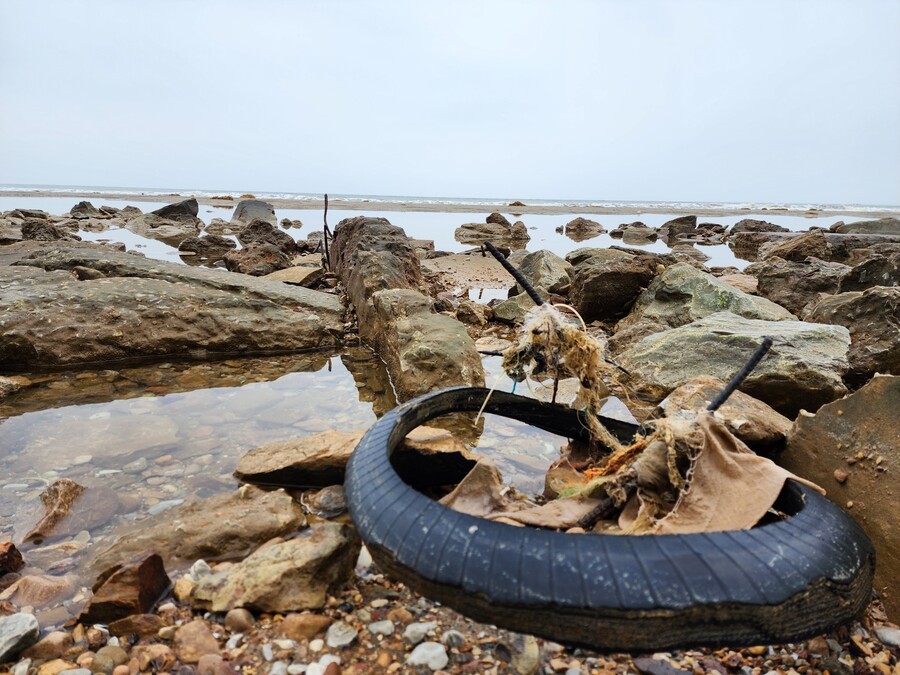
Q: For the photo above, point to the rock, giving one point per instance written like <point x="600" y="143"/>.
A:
<point x="41" y="230"/>
<point x="286" y="576"/>
<point x="171" y="231"/>
<point x="183" y="210"/>
<point x="249" y="210"/>
<point x="239" y="620"/>
<point x="873" y="319"/>
<point x="513" y="310"/>
<point x="10" y="558"/>
<point x="319" y="459"/>
<point x="682" y="294"/>
<point x="604" y="287"/>
<point x="880" y="226"/>
<point x="889" y="635"/>
<point x="258" y="260"/>
<point x="498" y="219"/>
<point x="796" y="285"/>
<point x="64" y="667"/>
<point x="38" y="590"/>
<point x="525" y="653"/>
<point x="211" y="246"/>
<point x="160" y="658"/>
<point x="125" y="589"/>
<point x="546" y="270"/>
<point x="84" y="210"/>
<point x="17" y="632"/>
<point x="581" y="229"/>
<point x="298" y="276"/>
<point x="214" y="664"/>
<point x="329" y="502"/>
<point x="263" y="232"/>
<point x="876" y="270"/>
<point x="340" y="634"/>
<point x="812" y="244"/>
<point x="148" y="307"/>
<point x="113" y="653"/>
<point x="195" y="640"/>
<point x="751" y="225"/>
<point x="858" y="434"/>
<point x="688" y="253"/>
<point x="636" y="232"/>
<point x="53" y="645"/>
<point x="416" y="632"/>
<point x="514" y="236"/>
<point x="430" y="654"/>
<point x="142" y="625"/>
<point x="678" y="228"/>
<point x="224" y="526"/>
<point x="803" y="369"/>
<point x="385" y="627"/>
<point x="474" y="313"/>
<point x="745" y="283"/>
<point x="760" y="427"/>
<point x="304" y="626"/>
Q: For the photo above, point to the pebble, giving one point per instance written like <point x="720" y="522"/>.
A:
<point x="431" y="654"/>
<point x="239" y="620"/>
<point x="316" y="645"/>
<point x="82" y="459"/>
<point x="284" y="644"/>
<point x="278" y="668"/>
<point x="234" y="641"/>
<point x="381" y="628"/>
<point x="159" y="507"/>
<point x="267" y="653"/>
<point x="340" y="634"/>
<point x="453" y="639"/>
<point x="888" y="635"/>
<point x="416" y="632"/>
<point x="136" y="466"/>
<point x="200" y="569"/>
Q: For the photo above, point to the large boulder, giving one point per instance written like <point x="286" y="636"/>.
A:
<point x="873" y="319"/>
<point x="142" y="307"/>
<point x="284" y="576"/>
<point x="546" y="270"/>
<point x="682" y="293"/>
<point x="753" y="225"/>
<point x="605" y="287"/>
<point x="249" y="210"/>
<point x="84" y="210"/>
<point x="257" y="260"/>
<point x="678" y="228"/>
<point x="223" y="526"/>
<point x="879" y="269"/>
<point x="514" y="236"/>
<point x="795" y="285"/>
<point x="831" y="246"/>
<point x="381" y="273"/>
<point x="183" y="210"/>
<point x="798" y="248"/>
<point x="211" y="247"/>
<point x="851" y="447"/>
<point x="803" y="369"/>
<point x="580" y="229"/>
<point x="759" y="426"/>
<point x="263" y="232"/>
<point x="880" y="226"/>
<point x="171" y="231"/>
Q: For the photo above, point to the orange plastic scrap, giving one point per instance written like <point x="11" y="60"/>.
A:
<point x="618" y="461"/>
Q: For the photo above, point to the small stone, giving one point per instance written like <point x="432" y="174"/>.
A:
<point x="340" y="634"/>
<point x="57" y="666"/>
<point x="525" y="653"/>
<point x="303" y="626"/>
<point x="889" y="635"/>
<point x="143" y="625"/>
<point x="416" y="632"/>
<point x="194" y="640"/>
<point x="278" y="668"/>
<point x="51" y="646"/>
<point x="284" y="644"/>
<point x="453" y="639"/>
<point x="213" y="664"/>
<point x="758" y="650"/>
<point x="183" y="588"/>
<point x="381" y="628"/>
<point x="431" y="654"/>
<point x="200" y="569"/>
<point x="840" y="475"/>
<point x="400" y="615"/>
<point x="239" y="620"/>
<point x="818" y="645"/>
<point x="378" y="603"/>
<point x="166" y="633"/>
<point x="267" y="652"/>
<point x="316" y="645"/>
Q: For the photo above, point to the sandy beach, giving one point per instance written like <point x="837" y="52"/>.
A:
<point x="476" y="206"/>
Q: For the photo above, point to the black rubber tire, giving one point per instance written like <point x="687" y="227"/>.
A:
<point x="779" y="582"/>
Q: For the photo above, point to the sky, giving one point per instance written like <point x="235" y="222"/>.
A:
<point x="741" y="101"/>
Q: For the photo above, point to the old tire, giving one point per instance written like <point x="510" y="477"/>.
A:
<point x="775" y="583"/>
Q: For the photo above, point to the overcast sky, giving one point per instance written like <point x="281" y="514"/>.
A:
<point x="762" y="101"/>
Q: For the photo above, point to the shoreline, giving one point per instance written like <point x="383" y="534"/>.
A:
<point x="345" y="204"/>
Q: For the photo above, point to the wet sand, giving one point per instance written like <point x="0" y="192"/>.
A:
<point x="339" y="203"/>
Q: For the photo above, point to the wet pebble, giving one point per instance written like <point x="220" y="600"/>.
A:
<point x="453" y="639"/>
<point x="164" y="505"/>
<point x="381" y="628"/>
<point x="431" y="654"/>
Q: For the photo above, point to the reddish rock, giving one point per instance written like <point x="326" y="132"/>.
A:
<point x="10" y="558"/>
<point x="304" y="626"/>
<point x="144" y="625"/>
<point x="194" y="641"/>
<point x="126" y="589"/>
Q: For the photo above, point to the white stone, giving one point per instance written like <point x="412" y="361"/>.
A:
<point x="888" y="635"/>
<point x="340" y="634"/>
<point x="17" y="631"/>
<point x="431" y="654"/>
<point x="381" y="628"/>
<point x="416" y="632"/>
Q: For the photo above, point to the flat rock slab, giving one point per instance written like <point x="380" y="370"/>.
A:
<point x="802" y="370"/>
<point x="222" y="526"/>
<point x="141" y="307"/>
<point x="851" y="447"/>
